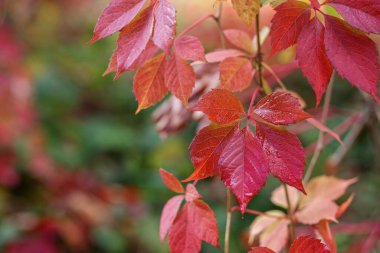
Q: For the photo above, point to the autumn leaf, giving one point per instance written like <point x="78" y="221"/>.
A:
<point x="353" y="55"/>
<point x="312" y="58"/>
<point x="260" y="250"/>
<point x="190" y="48"/>
<point x="169" y="212"/>
<point x="243" y="166"/>
<point x="118" y="14"/>
<point x="206" y="149"/>
<point x="171" y="181"/>
<point x="191" y="193"/>
<point x="222" y="54"/>
<point x="221" y="106"/>
<point x="246" y="9"/>
<point x="287" y="24"/>
<point x="149" y="83"/>
<point x="239" y="39"/>
<point x="235" y="73"/>
<point x="179" y="77"/>
<point x="308" y="244"/>
<point x="280" y="108"/>
<point x="164" y="25"/>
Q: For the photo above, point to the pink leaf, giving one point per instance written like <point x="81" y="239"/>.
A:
<point x="169" y="212"/>
<point x="191" y="193"/>
<point x="317" y="210"/>
<point x="239" y="39"/>
<point x="235" y="73"/>
<point x="220" y="55"/>
<point x="190" y="48"/>
<point x="164" y="25"/>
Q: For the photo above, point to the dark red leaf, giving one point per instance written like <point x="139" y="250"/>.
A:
<point x="164" y="24"/>
<point x="285" y="154"/>
<point x="179" y="77"/>
<point x="190" y="48"/>
<point x="169" y="212"/>
<point x="312" y="58"/>
<point x="171" y="181"/>
<point x="308" y="244"/>
<point x="287" y="23"/>
<point x="280" y="108"/>
<point x="221" y="106"/>
<point x="243" y="166"/>
<point x="205" y="150"/>
<point x="363" y="14"/>
<point x="260" y="250"/>
<point x="353" y="55"/>
<point x="235" y="73"/>
<point x="118" y="14"/>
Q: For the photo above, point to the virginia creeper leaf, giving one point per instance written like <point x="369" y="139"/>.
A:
<point x="118" y="14"/>
<point x="243" y="166"/>
<point x="246" y="9"/>
<point x="353" y="55"/>
<point x="363" y="14"/>
<point x="195" y="223"/>
<point x="149" y="83"/>
<point x="287" y="23"/>
<point x="235" y="73"/>
<point x="169" y="212"/>
<point x="312" y="58"/>
<point x="276" y="235"/>
<point x="307" y="244"/>
<point x="133" y="39"/>
<point x="171" y="181"/>
<point x="179" y="77"/>
<point x="317" y="210"/>
<point x="164" y="24"/>
<point x="239" y="39"/>
<point x="191" y="193"/>
<point x="221" y="106"/>
<point x="280" y="108"/>
<point x="190" y="48"/>
<point x="285" y="154"/>
<point x="220" y="55"/>
<point x="205" y="150"/>
<point x="260" y="250"/>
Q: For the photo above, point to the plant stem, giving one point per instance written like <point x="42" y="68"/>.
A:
<point x="292" y="229"/>
<point x="228" y="222"/>
<point x="259" y="54"/>
<point x="254" y="212"/>
<point x="319" y="146"/>
<point x="217" y="18"/>
<point x="195" y="24"/>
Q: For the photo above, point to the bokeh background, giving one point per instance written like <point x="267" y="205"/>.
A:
<point x="78" y="168"/>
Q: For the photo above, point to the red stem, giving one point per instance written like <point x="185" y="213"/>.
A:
<point x="254" y="212"/>
<point x="254" y="95"/>
<point x="195" y="24"/>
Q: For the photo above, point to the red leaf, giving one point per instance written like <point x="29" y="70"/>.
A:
<point x="164" y="25"/>
<point x="149" y="83"/>
<point x="363" y="14"/>
<point x="307" y="244"/>
<point x="312" y="58"/>
<point x="280" y="108"/>
<point x="191" y="193"/>
<point x="118" y="14"/>
<point x="220" y="55"/>
<point x="171" y="181"/>
<point x="260" y="250"/>
<point x="169" y="212"/>
<point x="287" y="23"/>
<point x="195" y="223"/>
<point x="221" y="106"/>
<point x="133" y="39"/>
<point x="235" y="73"/>
<point x="190" y="48"/>
<point x="243" y="166"/>
<point x="179" y="77"/>
<point x="239" y="39"/>
<point x="353" y="55"/>
<point x="205" y="150"/>
<point x="285" y="154"/>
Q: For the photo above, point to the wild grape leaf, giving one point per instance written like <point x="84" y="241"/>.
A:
<point x="205" y="150"/>
<point x="352" y="54"/>
<point x="191" y="193"/>
<point x="133" y="39"/>
<point x="195" y="223"/>
<point x="189" y="48"/>
<point x="246" y="9"/>
<point x="287" y="23"/>
<point x="221" y="106"/>
<point x="280" y="108"/>
<point x="243" y="166"/>
<point x="221" y="55"/>
<point x="312" y="58"/>
<point x="169" y="212"/>
<point x="239" y="39"/>
<point x="149" y="83"/>
<point x="171" y="181"/>
<point x="179" y="77"/>
<point x="308" y="244"/>
<point x="164" y="24"/>
<point x="118" y="14"/>
<point x="285" y="154"/>
<point x="235" y="73"/>
<point x="260" y="250"/>
<point x="363" y="14"/>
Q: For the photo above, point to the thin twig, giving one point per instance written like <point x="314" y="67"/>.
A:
<point x="278" y="80"/>
<point x="217" y="18"/>
<point x="292" y="229"/>
<point x="319" y="146"/>
<point x="258" y="213"/>
<point x="228" y="222"/>
<point x="259" y="53"/>
<point x="195" y="24"/>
